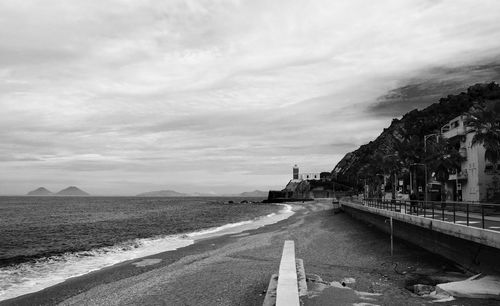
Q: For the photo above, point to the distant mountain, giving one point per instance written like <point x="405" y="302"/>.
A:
<point x="163" y="193"/>
<point x="254" y="194"/>
<point x="205" y="194"/>
<point x="42" y="191"/>
<point x="172" y="193"/>
<point x="72" y="191"/>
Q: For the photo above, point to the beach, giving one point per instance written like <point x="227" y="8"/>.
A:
<point x="235" y="269"/>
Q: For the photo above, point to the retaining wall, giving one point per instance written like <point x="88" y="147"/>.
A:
<point x="474" y="249"/>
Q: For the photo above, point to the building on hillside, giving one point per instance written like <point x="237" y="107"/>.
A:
<point x="310" y="176"/>
<point x="305" y="186"/>
<point x="478" y="178"/>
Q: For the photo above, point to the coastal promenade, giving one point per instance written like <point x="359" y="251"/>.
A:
<point x="460" y="232"/>
<point x="346" y="262"/>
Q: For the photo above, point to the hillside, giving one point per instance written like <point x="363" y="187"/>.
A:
<point x="41" y="191"/>
<point x="72" y="191"/>
<point x="403" y="139"/>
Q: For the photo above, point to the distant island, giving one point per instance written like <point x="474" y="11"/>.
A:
<point x="163" y="193"/>
<point x="172" y="193"/>
<point x="70" y="191"/>
<point x="41" y="191"/>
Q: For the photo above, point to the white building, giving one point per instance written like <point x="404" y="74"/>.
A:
<point x="297" y="176"/>
<point x="310" y="176"/>
<point x="478" y="179"/>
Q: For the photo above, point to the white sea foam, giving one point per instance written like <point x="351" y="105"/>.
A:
<point x="234" y="228"/>
<point x="45" y="272"/>
<point x="30" y="277"/>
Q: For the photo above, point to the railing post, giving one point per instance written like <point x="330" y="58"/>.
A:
<point x="467" y="214"/>
<point x="442" y="210"/>
<point x="392" y="239"/>
<point x="432" y="210"/>
<point x="454" y="212"/>
<point x="482" y="214"/>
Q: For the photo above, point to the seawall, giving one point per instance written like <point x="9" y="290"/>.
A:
<point x="474" y="249"/>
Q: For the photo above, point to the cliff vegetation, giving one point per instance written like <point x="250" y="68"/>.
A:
<point x="401" y="145"/>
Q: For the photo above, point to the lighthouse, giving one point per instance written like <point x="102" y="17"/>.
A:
<point x="295" y="172"/>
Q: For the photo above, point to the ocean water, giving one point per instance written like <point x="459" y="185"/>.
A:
<point x="46" y="240"/>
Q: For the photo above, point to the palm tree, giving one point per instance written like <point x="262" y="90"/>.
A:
<point x="486" y="123"/>
<point x="410" y="151"/>
<point x="391" y="165"/>
<point x="442" y="158"/>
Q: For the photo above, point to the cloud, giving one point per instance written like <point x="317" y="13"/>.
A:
<point x="430" y="85"/>
<point x="220" y="93"/>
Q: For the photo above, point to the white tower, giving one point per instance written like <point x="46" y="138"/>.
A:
<point x="295" y="172"/>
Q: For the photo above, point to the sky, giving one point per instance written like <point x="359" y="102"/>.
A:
<point x="129" y="96"/>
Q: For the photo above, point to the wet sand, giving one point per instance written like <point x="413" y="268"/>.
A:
<point x="235" y="269"/>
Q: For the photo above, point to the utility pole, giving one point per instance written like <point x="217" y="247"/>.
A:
<point x="411" y="182"/>
<point x="395" y="184"/>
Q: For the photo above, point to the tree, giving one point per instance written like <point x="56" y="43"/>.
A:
<point x="485" y="122"/>
<point x="442" y="157"/>
<point x="391" y="165"/>
<point x="410" y="151"/>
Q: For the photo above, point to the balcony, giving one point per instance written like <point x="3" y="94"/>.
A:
<point x="462" y="175"/>
<point x="452" y="132"/>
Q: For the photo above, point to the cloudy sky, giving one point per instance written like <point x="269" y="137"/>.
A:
<point x="122" y="97"/>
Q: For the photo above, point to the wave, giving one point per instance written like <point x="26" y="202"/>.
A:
<point x="28" y="277"/>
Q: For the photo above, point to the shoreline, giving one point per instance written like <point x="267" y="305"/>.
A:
<point x="56" y="293"/>
<point x="108" y="257"/>
<point x="235" y="269"/>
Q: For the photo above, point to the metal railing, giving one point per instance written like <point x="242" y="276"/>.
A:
<point x="474" y="214"/>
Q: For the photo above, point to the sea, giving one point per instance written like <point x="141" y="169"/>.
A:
<point x="46" y="240"/>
